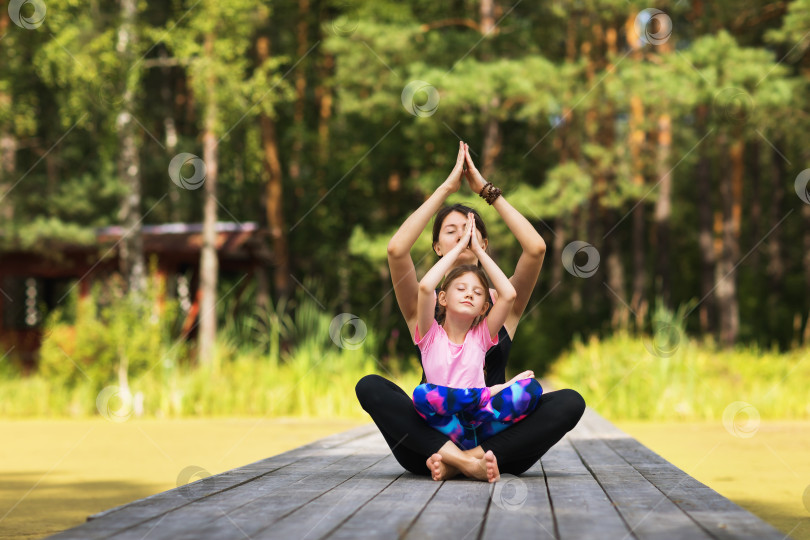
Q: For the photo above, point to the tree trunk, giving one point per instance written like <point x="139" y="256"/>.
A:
<point x="209" y="263"/>
<point x="638" y="302"/>
<point x="707" y="309"/>
<point x="754" y="168"/>
<point x="726" y="274"/>
<point x="274" y="191"/>
<point x="170" y="129"/>
<point x="8" y="150"/>
<point x="300" y="92"/>
<point x="663" y="207"/>
<point x="806" y="266"/>
<point x="492" y="130"/>
<point x="776" y="254"/>
<point x="129" y="166"/>
<point x="8" y="168"/>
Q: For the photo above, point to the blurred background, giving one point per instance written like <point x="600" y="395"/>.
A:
<point x="196" y="198"/>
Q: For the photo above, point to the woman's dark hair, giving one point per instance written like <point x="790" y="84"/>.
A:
<point x="455" y="273"/>
<point x="447" y="210"/>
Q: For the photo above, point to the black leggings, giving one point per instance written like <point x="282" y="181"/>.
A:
<point x="517" y="448"/>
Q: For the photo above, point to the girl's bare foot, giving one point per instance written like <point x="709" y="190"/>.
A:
<point x="439" y="470"/>
<point x="484" y="468"/>
<point x="493" y="474"/>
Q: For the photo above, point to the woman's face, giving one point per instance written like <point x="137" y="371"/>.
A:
<point x="450" y="234"/>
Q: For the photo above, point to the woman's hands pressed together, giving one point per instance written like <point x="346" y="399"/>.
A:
<point x="453" y="182"/>
<point x="474" y="178"/>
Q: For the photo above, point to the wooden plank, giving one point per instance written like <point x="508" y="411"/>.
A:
<point x="646" y="510"/>
<point x="458" y="509"/>
<point x="271" y="473"/>
<point x="318" y="518"/>
<point x="252" y="507"/>
<point x="719" y="516"/>
<point x="582" y="510"/>
<point x="391" y="512"/>
<point x="519" y="507"/>
<point x="262" y="466"/>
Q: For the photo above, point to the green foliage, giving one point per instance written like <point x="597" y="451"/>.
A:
<point x="670" y="376"/>
<point x="109" y="336"/>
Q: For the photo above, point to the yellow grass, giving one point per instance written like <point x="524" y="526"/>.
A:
<point x="54" y="473"/>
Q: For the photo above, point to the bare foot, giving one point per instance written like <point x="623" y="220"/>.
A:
<point x="440" y="470"/>
<point x="493" y="474"/>
<point x="484" y="468"/>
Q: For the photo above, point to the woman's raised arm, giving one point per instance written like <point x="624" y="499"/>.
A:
<point x="403" y="272"/>
<point x="528" y="266"/>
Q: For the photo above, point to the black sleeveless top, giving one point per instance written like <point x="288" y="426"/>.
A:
<point x="494" y="362"/>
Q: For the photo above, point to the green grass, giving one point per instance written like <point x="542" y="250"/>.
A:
<point x="624" y="377"/>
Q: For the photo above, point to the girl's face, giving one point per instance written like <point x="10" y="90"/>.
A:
<point x="450" y="234"/>
<point x="466" y="295"/>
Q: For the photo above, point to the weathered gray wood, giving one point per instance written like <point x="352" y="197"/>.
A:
<point x="582" y="510"/>
<point x="646" y="510"/>
<point x="458" y="508"/>
<point x="241" y="474"/>
<point x="719" y="516"/>
<point x="519" y="507"/>
<point x="596" y="483"/>
<point x="389" y="514"/>
<point x="249" y="508"/>
<point x="272" y="473"/>
<point x="325" y="513"/>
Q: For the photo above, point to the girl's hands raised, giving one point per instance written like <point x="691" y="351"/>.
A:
<point x="466" y="237"/>
<point x="453" y="182"/>
<point x="475" y="245"/>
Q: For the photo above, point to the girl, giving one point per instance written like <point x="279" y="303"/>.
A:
<point x="455" y="399"/>
<point x="416" y="446"/>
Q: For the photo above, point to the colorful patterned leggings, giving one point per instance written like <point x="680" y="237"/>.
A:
<point x="469" y="416"/>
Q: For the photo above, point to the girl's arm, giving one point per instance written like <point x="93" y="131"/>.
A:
<point x="498" y="387"/>
<point x="426" y="297"/>
<point x="403" y="273"/>
<point x="506" y="292"/>
<point x="534" y="247"/>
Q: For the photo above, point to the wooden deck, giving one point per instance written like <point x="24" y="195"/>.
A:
<point x="598" y="483"/>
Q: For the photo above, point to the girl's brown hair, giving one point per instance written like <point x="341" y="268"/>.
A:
<point x="455" y="273"/>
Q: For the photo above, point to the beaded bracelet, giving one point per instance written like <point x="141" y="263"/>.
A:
<point x="492" y="193"/>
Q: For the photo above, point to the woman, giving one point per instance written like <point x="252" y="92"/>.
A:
<point x="417" y="447"/>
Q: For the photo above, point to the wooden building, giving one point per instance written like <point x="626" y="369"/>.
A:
<point x="35" y="281"/>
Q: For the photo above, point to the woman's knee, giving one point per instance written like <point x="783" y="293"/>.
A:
<point x="572" y="406"/>
<point x="368" y="389"/>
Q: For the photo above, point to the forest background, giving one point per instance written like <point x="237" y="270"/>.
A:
<point x="661" y="151"/>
